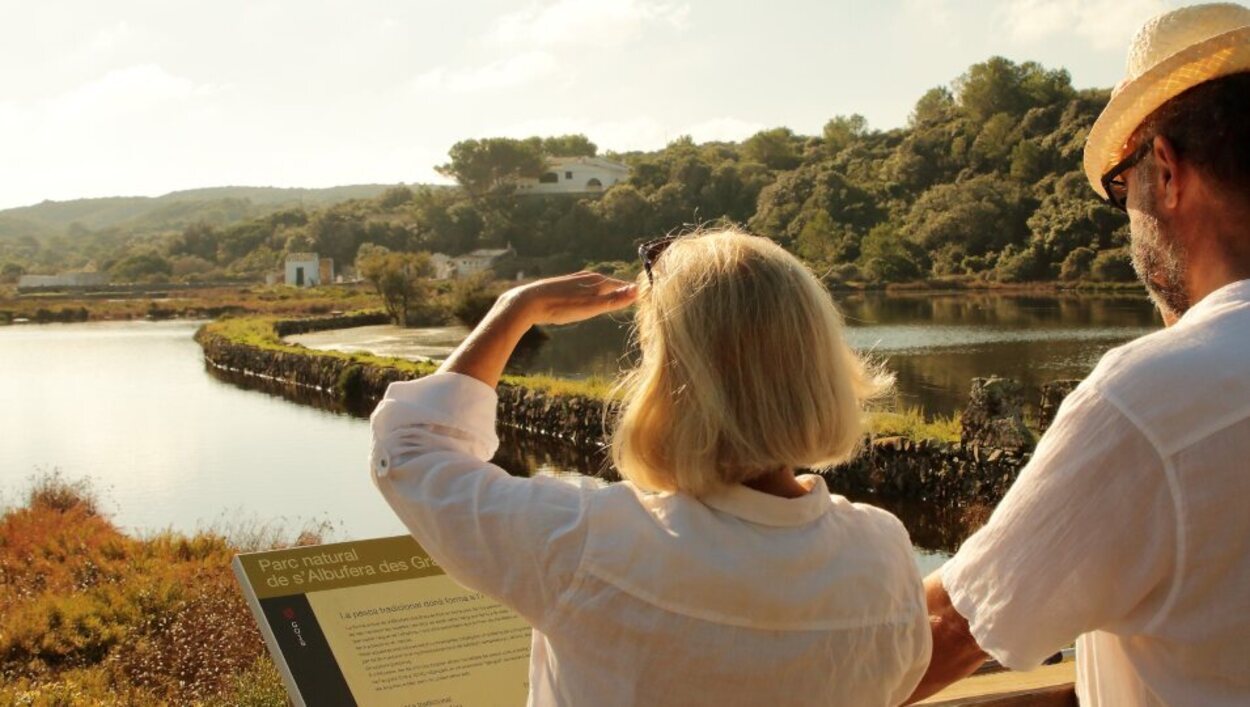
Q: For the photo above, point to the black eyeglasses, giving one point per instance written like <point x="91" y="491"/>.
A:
<point x="650" y="252"/>
<point x="1114" y="183"/>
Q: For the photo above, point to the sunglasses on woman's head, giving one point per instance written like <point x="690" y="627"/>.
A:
<point x="650" y="252"/>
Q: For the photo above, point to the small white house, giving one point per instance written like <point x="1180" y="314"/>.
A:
<point x="575" y="175"/>
<point x="453" y="266"/>
<point x="302" y="270"/>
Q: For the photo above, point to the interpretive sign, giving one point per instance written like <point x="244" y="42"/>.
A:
<point x="377" y="622"/>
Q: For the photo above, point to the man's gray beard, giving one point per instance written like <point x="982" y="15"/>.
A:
<point x="1159" y="262"/>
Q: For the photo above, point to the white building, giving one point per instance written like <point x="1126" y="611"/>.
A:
<point x="454" y="266"/>
<point x="302" y="270"/>
<point x="575" y="175"/>
<point x="443" y="266"/>
<point x="62" y="280"/>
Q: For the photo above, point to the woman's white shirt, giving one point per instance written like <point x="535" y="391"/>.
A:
<point x="740" y="598"/>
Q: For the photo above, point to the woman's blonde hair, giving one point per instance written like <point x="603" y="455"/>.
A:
<point x="744" y="369"/>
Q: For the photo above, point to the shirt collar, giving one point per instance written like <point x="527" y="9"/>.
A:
<point x="1233" y="293"/>
<point x="764" y="509"/>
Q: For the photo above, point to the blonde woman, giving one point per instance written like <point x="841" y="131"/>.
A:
<point x="714" y="575"/>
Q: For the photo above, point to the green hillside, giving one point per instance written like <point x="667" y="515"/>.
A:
<point x="982" y="186"/>
<point x="173" y="210"/>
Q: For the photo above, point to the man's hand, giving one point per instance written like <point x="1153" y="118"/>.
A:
<point x="955" y="652"/>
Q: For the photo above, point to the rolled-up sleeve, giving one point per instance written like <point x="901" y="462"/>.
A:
<point x="518" y="540"/>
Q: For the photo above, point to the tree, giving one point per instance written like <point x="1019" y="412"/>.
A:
<point x="395" y="197"/>
<point x="1002" y="86"/>
<point x="732" y="190"/>
<point x="336" y="233"/>
<point x="142" y="267"/>
<point x="776" y="148"/>
<point x="1077" y="265"/>
<point x="190" y="267"/>
<point x="887" y="257"/>
<point x="935" y="106"/>
<point x="1113" y="266"/>
<point x="11" y="272"/>
<point x="569" y="146"/>
<point x="1021" y="264"/>
<point x="199" y="239"/>
<point x="484" y="166"/>
<point x="780" y="204"/>
<point x="472" y="297"/>
<point x="842" y="130"/>
<point x="1028" y="161"/>
<point x="995" y="141"/>
<point x="1066" y="221"/>
<point x="398" y="278"/>
<point x="821" y="240"/>
<point x="982" y="214"/>
<point x="624" y="212"/>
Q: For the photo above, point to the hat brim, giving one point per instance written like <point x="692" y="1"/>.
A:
<point x="1221" y="55"/>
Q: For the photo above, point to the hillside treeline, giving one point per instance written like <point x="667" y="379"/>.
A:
<point x="982" y="184"/>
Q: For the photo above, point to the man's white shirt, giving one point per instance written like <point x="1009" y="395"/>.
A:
<point x="1130" y="527"/>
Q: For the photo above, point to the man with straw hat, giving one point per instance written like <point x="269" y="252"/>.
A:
<point x="1129" y="532"/>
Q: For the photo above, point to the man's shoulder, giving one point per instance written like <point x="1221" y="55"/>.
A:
<point x="1174" y="382"/>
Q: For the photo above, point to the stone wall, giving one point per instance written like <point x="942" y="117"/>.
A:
<point x="974" y="472"/>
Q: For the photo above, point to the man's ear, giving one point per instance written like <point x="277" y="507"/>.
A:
<point x="1170" y="176"/>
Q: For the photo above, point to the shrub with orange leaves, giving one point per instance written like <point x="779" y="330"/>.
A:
<point x="89" y="615"/>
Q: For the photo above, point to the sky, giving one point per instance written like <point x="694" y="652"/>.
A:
<point x="144" y="97"/>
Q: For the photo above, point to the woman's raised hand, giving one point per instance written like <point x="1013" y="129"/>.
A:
<point x="572" y="298"/>
<point x="556" y="300"/>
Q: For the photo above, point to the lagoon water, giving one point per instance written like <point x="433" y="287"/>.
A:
<point x="131" y="406"/>
<point x="934" y="343"/>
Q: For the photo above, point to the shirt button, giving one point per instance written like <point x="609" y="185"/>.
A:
<point x="382" y="468"/>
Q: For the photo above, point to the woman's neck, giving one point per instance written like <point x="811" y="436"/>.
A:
<point x="778" y="483"/>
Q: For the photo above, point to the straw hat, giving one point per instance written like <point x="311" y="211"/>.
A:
<point x="1170" y="54"/>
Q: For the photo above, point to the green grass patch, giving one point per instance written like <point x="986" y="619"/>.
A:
<point x="912" y="423"/>
<point x="259" y="332"/>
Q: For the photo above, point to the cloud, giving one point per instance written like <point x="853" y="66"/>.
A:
<point x="511" y="72"/>
<point x="1107" y="25"/>
<point x="937" y="15"/>
<point x="104" y="135"/>
<point x="586" y="22"/>
<point x="131" y="90"/>
<point x="112" y="37"/>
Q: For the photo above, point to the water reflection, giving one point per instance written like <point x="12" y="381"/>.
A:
<point x="935" y="530"/>
<point x="935" y="343"/>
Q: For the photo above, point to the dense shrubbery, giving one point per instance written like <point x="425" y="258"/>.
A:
<point x="983" y="184"/>
<point x="91" y="616"/>
<point x="472" y="297"/>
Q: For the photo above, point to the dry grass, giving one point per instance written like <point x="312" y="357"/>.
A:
<point x="93" y="617"/>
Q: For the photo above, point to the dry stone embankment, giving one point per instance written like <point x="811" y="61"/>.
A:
<point x="976" y="470"/>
